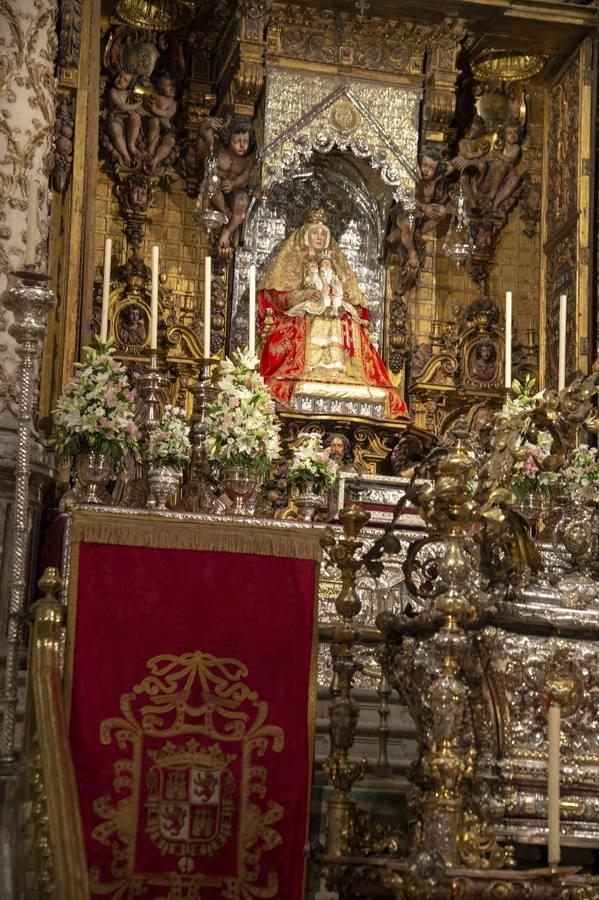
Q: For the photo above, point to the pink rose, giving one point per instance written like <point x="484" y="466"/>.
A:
<point x="529" y="467"/>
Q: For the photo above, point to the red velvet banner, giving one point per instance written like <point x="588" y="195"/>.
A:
<point x="192" y="719"/>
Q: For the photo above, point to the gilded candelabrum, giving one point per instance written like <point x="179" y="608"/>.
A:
<point x="198" y="495"/>
<point x="450" y="824"/>
<point x="29" y="298"/>
<point x="449" y="508"/>
<point x="343" y="709"/>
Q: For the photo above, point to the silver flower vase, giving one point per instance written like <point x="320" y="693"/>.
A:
<point x="93" y="471"/>
<point x="240" y="484"/>
<point x="163" y="482"/>
<point x="309" y="501"/>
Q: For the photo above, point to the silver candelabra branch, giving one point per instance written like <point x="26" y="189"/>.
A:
<point x="29" y="298"/>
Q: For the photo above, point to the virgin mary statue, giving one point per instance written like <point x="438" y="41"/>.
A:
<point x="314" y="323"/>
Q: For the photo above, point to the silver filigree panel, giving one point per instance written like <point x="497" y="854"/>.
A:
<point x="348" y="147"/>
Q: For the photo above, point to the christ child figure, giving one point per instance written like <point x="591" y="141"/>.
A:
<point x="331" y="286"/>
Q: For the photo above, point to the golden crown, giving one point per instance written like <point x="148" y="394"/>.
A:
<point x="318" y="217"/>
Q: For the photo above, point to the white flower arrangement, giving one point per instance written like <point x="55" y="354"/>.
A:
<point x="528" y="475"/>
<point x="169" y="443"/>
<point x="581" y="470"/>
<point x="311" y="464"/>
<point x="96" y="412"/>
<point x="241" y="426"/>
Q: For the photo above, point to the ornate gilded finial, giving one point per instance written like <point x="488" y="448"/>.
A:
<point x="318" y="216"/>
<point x="50" y="583"/>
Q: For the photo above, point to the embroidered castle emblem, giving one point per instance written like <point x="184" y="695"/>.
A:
<point x="190" y="799"/>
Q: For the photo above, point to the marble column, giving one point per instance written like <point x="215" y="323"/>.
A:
<point x="27" y="110"/>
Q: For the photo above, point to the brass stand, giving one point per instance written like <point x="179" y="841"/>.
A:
<point x="343" y="709"/>
<point x="29" y="300"/>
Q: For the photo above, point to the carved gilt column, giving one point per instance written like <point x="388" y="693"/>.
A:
<point x="440" y="79"/>
<point x="566" y="214"/>
<point x="241" y="61"/>
<point x="27" y="111"/>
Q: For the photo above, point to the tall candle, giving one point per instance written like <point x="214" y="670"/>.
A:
<point x="553" y="729"/>
<point x="31" y="224"/>
<point x="207" y="314"/>
<point x="252" y="310"/>
<point x="508" y="339"/>
<point x="563" y="325"/>
<point x="154" y="300"/>
<point x="105" y="289"/>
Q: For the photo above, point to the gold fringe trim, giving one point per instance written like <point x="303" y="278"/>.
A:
<point x="169" y="534"/>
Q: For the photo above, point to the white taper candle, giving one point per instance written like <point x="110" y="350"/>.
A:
<point x="105" y="289"/>
<point x="252" y="310"/>
<point x="553" y="768"/>
<point x="154" y="300"/>
<point x="563" y="333"/>
<point x="31" y="223"/>
<point x="508" y="339"/>
<point x="207" y="296"/>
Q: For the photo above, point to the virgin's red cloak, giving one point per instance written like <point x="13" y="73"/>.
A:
<point x="283" y="359"/>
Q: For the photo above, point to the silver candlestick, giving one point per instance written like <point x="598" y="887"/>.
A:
<point x="198" y="495"/>
<point x="150" y="386"/>
<point x="29" y="298"/>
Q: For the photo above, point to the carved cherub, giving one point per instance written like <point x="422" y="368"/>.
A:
<point x="234" y="146"/>
<point x="432" y="201"/>
<point x="469" y="160"/>
<point x="138" y="192"/>
<point x="123" y="121"/>
<point x="432" y="207"/>
<point x="162" y="108"/>
<point x="503" y="177"/>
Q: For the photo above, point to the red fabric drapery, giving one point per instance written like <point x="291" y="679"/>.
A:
<point x="191" y="719"/>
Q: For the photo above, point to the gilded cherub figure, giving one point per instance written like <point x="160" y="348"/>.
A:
<point x="123" y="119"/>
<point x="234" y="147"/>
